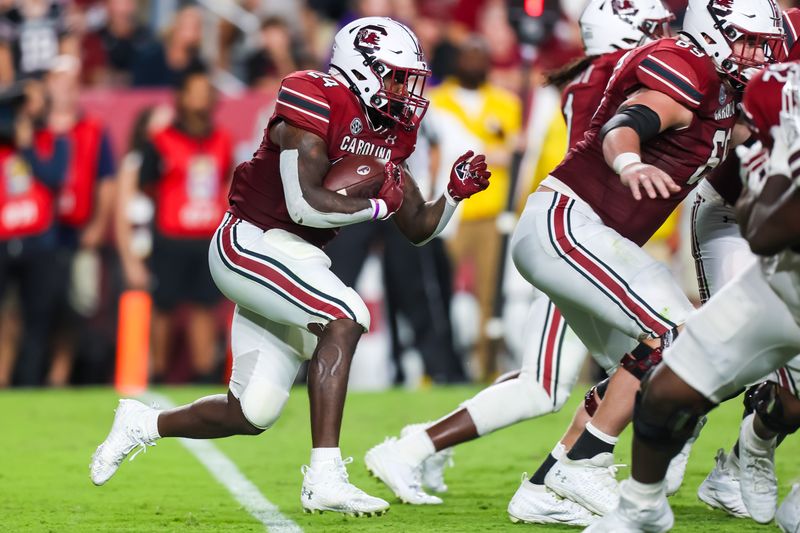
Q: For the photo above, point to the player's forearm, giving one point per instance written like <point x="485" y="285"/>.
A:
<point x="772" y="225"/>
<point x="312" y="205"/>
<point x="617" y="144"/>
<point x="320" y="208"/>
<point x="432" y="219"/>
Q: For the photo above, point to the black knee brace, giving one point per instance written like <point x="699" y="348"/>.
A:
<point x="589" y="401"/>
<point x="663" y="432"/>
<point x="641" y="360"/>
<point x="644" y="358"/>
<point x="766" y="402"/>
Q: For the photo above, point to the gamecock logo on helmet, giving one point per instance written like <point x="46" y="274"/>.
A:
<point x="368" y="38"/>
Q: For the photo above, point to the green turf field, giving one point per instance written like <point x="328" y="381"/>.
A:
<point x="47" y="438"/>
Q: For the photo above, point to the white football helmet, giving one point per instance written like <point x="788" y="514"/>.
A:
<point x="716" y="25"/>
<point x="608" y="25"/>
<point x="383" y="64"/>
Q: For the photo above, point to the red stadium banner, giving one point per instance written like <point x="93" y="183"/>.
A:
<point x="244" y="116"/>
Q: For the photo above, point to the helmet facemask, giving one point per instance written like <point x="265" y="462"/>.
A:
<point x="655" y="29"/>
<point x="400" y="95"/>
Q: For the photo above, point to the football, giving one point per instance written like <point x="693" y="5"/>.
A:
<point x="359" y="176"/>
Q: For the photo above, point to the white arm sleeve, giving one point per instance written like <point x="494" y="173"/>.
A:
<point x="303" y="213"/>
<point x="450" y="206"/>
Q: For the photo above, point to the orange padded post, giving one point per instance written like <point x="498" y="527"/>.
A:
<point x="133" y="342"/>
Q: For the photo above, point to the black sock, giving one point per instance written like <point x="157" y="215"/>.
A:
<point x="544" y="468"/>
<point x="588" y="446"/>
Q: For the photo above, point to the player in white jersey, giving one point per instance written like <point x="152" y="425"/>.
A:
<point x="747" y="330"/>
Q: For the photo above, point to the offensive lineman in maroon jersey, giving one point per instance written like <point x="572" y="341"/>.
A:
<point x="750" y="327"/>
<point x="544" y="383"/>
<point x="266" y="256"/>
<point x="666" y="120"/>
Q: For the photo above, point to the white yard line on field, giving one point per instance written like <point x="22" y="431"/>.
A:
<point x="229" y="475"/>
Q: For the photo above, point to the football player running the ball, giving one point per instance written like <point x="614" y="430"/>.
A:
<point x="267" y="255"/>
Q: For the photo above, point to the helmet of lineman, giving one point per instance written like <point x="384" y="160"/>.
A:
<point x="608" y="25"/>
<point x="739" y="35"/>
<point x="382" y="62"/>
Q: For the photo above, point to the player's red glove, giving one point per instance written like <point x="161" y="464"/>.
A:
<point x="391" y="192"/>
<point x="468" y="177"/>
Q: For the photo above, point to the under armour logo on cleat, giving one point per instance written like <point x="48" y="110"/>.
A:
<point x="307" y="493"/>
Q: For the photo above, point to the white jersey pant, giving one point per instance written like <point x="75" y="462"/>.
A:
<point x="281" y="284"/>
<point x="720" y="253"/>
<point x="743" y="333"/>
<point x="611" y="292"/>
<point x="552" y="359"/>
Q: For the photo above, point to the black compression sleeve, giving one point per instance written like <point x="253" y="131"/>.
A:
<point x="643" y="120"/>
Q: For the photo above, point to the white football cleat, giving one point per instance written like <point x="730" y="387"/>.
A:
<point x="589" y="482"/>
<point x="757" y="475"/>
<point x="677" y="467"/>
<point x="788" y="515"/>
<point x="404" y="479"/>
<point x="720" y="489"/>
<point x="632" y="517"/>
<point x="326" y="488"/>
<point x="432" y="467"/>
<point x="536" y="504"/>
<point x="128" y="431"/>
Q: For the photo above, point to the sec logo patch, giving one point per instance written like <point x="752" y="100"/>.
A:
<point x="356" y="127"/>
<point x="363" y="170"/>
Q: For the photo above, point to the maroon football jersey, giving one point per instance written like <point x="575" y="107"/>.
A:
<point x="678" y="69"/>
<point x="581" y="97"/>
<point x="316" y="102"/>
<point x="726" y="180"/>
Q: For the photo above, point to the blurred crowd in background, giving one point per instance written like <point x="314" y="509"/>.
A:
<point x="120" y="122"/>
